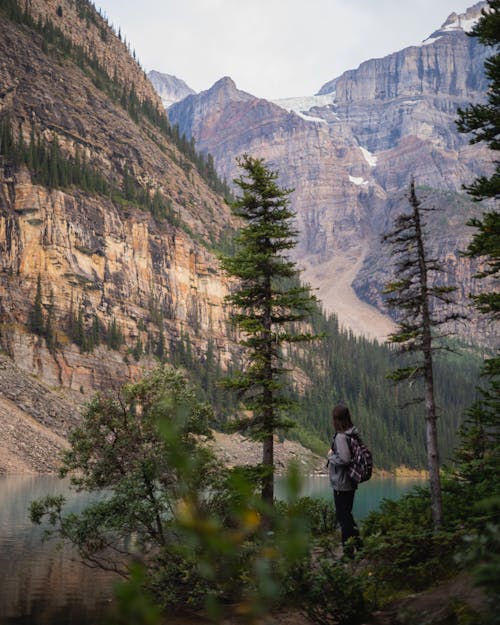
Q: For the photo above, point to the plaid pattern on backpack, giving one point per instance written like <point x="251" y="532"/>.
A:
<point x="360" y="469"/>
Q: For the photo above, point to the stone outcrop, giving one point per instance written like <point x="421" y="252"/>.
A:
<point x="98" y="257"/>
<point x="350" y="153"/>
<point x="170" y="88"/>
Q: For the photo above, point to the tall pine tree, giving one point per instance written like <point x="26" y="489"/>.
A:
<point x="35" y="316"/>
<point x="267" y="300"/>
<point x="415" y="297"/>
<point x="483" y="121"/>
<point x="481" y="433"/>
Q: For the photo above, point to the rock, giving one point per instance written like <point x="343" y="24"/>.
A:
<point x="105" y="259"/>
<point x="170" y="88"/>
<point x="350" y="156"/>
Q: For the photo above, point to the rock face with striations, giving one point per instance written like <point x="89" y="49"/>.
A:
<point x="350" y="152"/>
<point x="100" y="258"/>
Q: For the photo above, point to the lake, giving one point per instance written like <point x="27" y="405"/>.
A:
<point x="43" y="584"/>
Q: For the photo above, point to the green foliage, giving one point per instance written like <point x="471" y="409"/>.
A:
<point x="266" y="302"/>
<point x="420" y="303"/>
<point x="114" y="335"/>
<point x="206" y="371"/>
<point x="134" y="603"/>
<point x="197" y="531"/>
<point x="482" y="121"/>
<point x="35" y="318"/>
<point x="401" y="538"/>
<point x="319" y="513"/>
<point x="242" y="561"/>
<point x="138" y="350"/>
<point x="478" y="457"/>
<point x="40" y="322"/>
<point x="333" y="595"/>
<point x="83" y="329"/>
<point x="54" y="42"/>
<point x="354" y="369"/>
<point x="48" y="166"/>
<point x="481" y="553"/>
<point x="119" y="448"/>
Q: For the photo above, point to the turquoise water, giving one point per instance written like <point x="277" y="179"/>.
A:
<point x="368" y="496"/>
<point x="43" y="584"/>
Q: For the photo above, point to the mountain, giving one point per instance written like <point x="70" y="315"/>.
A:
<point x="107" y="227"/>
<point x="110" y="228"/>
<point x="170" y="88"/>
<point x="350" y="151"/>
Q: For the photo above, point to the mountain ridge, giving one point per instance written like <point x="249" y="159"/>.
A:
<point x="350" y="160"/>
<point x="104" y="260"/>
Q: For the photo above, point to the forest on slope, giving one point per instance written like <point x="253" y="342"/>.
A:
<point x="339" y="367"/>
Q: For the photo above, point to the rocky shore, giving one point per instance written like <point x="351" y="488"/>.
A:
<point x="35" y="420"/>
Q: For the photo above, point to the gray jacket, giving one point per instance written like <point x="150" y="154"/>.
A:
<point x="339" y="459"/>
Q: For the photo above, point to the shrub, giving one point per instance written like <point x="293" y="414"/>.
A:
<point x="333" y="595"/>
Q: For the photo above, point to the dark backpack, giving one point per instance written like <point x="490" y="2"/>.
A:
<point x="360" y="469"/>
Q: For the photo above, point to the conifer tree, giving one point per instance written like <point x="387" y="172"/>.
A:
<point x="415" y="297"/>
<point x="50" y="332"/>
<point x="481" y="432"/>
<point x="267" y="299"/>
<point x="483" y="121"/>
<point x="35" y="318"/>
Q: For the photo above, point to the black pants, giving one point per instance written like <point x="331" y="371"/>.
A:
<point x="344" y="500"/>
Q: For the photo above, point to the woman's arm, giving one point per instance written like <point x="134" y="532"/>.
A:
<point x="342" y="454"/>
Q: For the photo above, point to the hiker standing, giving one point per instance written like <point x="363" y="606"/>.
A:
<point x="344" y="487"/>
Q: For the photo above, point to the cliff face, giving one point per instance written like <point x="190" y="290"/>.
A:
<point x="170" y="88"/>
<point x="350" y="153"/>
<point x="100" y="258"/>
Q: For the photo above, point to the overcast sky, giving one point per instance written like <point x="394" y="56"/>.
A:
<point x="271" y="48"/>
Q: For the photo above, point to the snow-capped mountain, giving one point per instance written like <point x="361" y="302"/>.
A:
<point x="350" y="151"/>
<point x="170" y="88"/>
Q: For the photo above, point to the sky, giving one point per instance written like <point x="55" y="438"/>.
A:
<point x="271" y="48"/>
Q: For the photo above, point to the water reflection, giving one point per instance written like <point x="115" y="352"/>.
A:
<point x="45" y="584"/>
<point x="42" y="582"/>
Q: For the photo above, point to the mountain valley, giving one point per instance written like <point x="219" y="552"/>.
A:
<point x="349" y="154"/>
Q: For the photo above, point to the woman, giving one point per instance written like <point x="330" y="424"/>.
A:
<point x="339" y="458"/>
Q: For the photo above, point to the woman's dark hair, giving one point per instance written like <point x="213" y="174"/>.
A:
<point x="341" y="418"/>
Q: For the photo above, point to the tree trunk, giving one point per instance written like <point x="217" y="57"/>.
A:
<point x="434" y="479"/>
<point x="268" y="466"/>
<point x="430" y="405"/>
<point x="268" y="407"/>
<point x="431" y="441"/>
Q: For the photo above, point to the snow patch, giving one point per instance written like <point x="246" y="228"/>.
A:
<point x="465" y="22"/>
<point x="310" y="118"/>
<point x="370" y="158"/>
<point x="357" y="180"/>
<point x="301" y="105"/>
<point x="461" y="23"/>
<point x="427" y="42"/>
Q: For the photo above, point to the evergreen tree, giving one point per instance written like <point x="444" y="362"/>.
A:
<point x="266" y="303"/>
<point x="479" y="454"/>
<point x="114" y="336"/>
<point x="35" y="318"/>
<point x="415" y="297"/>
<point x="138" y="350"/>
<point x="160" y="346"/>
<point x="483" y="121"/>
<point x="50" y="332"/>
